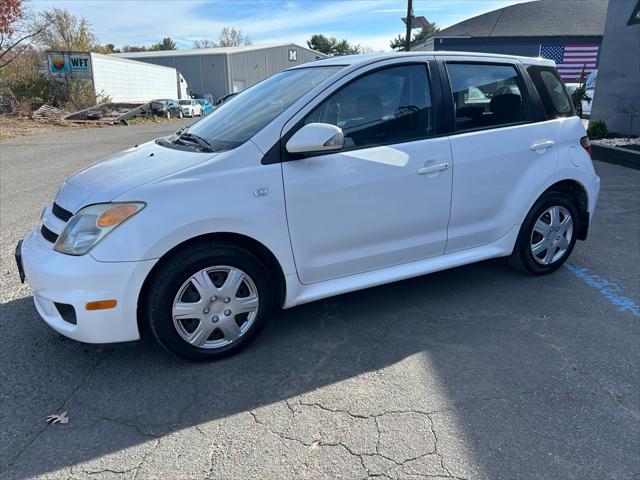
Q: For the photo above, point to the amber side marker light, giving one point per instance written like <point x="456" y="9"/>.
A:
<point x="116" y="214"/>
<point x="100" y="305"/>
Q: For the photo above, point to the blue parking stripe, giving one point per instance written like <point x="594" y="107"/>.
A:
<point x="610" y="290"/>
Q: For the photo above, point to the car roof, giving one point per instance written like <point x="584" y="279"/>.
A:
<point x="365" y="59"/>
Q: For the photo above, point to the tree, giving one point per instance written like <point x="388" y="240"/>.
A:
<point x="106" y="48"/>
<point x="332" y="46"/>
<point x="65" y="31"/>
<point x="18" y="30"/>
<point x="430" y="30"/>
<point x="232" y="37"/>
<point x="165" y="44"/>
<point x="204" y="43"/>
<point x="134" y="48"/>
<point x="10" y="13"/>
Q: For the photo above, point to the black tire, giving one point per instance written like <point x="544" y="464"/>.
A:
<point x="181" y="114"/>
<point x="168" y="114"/>
<point x="522" y="257"/>
<point x="175" y="271"/>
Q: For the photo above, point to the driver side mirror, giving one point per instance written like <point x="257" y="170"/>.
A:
<point x="315" y="138"/>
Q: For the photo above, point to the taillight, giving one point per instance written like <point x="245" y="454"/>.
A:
<point x="586" y="144"/>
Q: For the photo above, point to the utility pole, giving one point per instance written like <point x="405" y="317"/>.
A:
<point x="407" y="41"/>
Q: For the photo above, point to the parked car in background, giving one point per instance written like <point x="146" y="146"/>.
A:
<point x="205" y="106"/>
<point x="590" y="85"/>
<point x="166" y="108"/>
<point x="190" y="107"/>
<point x="349" y="173"/>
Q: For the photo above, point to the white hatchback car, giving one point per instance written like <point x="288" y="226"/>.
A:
<point x="330" y="177"/>
<point x="190" y="108"/>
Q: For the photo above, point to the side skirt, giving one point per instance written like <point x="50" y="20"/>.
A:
<point x="298" y="294"/>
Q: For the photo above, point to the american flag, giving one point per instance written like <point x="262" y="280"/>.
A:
<point x="571" y="59"/>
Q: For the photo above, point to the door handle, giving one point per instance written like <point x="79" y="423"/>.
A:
<point x="542" y="145"/>
<point x="433" y="168"/>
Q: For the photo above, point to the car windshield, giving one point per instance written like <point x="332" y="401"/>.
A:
<point x="241" y="117"/>
<point x="201" y="102"/>
<point x="185" y="102"/>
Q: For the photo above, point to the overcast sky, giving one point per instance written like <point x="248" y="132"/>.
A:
<point x="371" y="23"/>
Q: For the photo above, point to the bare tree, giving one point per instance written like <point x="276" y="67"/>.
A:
<point x="18" y="30"/>
<point x="232" y="37"/>
<point x="66" y="31"/>
<point x="204" y="43"/>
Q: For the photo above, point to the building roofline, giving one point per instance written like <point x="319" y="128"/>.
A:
<point x="129" y="60"/>
<point x="209" y="51"/>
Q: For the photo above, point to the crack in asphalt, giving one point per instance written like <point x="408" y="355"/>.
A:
<point x="617" y="397"/>
<point x="437" y="451"/>
<point x="126" y="423"/>
<point x="401" y="464"/>
<point x="145" y="456"/>
<point x="60" y="408"/>
<point x="315" y="443"/>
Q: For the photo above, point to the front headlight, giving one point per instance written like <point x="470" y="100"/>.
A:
<point x="91" y="224"/>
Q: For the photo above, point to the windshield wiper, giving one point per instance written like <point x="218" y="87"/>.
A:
<point x="204" y="144"/>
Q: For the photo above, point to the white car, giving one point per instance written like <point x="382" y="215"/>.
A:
<point x="327" y="178"/>
<point x="190" y="108"/>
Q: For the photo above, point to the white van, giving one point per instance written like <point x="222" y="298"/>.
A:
<point x="330" y="177"/>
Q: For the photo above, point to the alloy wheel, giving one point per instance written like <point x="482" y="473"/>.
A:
<point x="215" y="307"/>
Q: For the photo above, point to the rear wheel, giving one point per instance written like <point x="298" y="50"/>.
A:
<point x="209" y="301"/>
<point x="547" y="235"/>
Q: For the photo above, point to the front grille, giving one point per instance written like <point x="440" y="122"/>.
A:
<point x="48" y="234"/>
<point x="61" y="213"/>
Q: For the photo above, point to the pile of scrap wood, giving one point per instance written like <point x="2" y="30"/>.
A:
<point x="109" y="113"/>
<point x="49" y="114"/>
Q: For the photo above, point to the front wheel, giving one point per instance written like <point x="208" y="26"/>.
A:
<point x="547" y="235"/>
<point x="209" y="301"/>
<point x="181" y="114"/>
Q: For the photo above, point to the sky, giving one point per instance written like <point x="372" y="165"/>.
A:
<point x="370" y="23"/>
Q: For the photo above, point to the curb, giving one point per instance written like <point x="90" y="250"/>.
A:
<point x="617" y="156"/>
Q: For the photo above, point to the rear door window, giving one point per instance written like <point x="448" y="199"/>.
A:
<point x="552" y="92"/>
<point x="486" y="95"/>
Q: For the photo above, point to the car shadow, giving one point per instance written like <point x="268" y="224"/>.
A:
<point x="488" y="372"/>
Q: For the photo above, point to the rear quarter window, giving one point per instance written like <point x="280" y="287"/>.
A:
<point x="552" y="92"/>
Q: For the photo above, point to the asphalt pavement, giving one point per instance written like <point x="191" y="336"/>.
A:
<point x="478" y="372"/>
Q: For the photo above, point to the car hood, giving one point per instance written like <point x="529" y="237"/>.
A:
<point x="115" y="175"/>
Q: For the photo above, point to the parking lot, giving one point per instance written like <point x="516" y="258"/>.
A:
<point x="477" y="372"/>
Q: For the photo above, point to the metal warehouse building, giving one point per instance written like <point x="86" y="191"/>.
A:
<point x="218" y="71"/>
<point x="567" y="31"/>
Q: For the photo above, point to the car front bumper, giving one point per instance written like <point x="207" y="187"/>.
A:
<point x="62" y="281"/>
